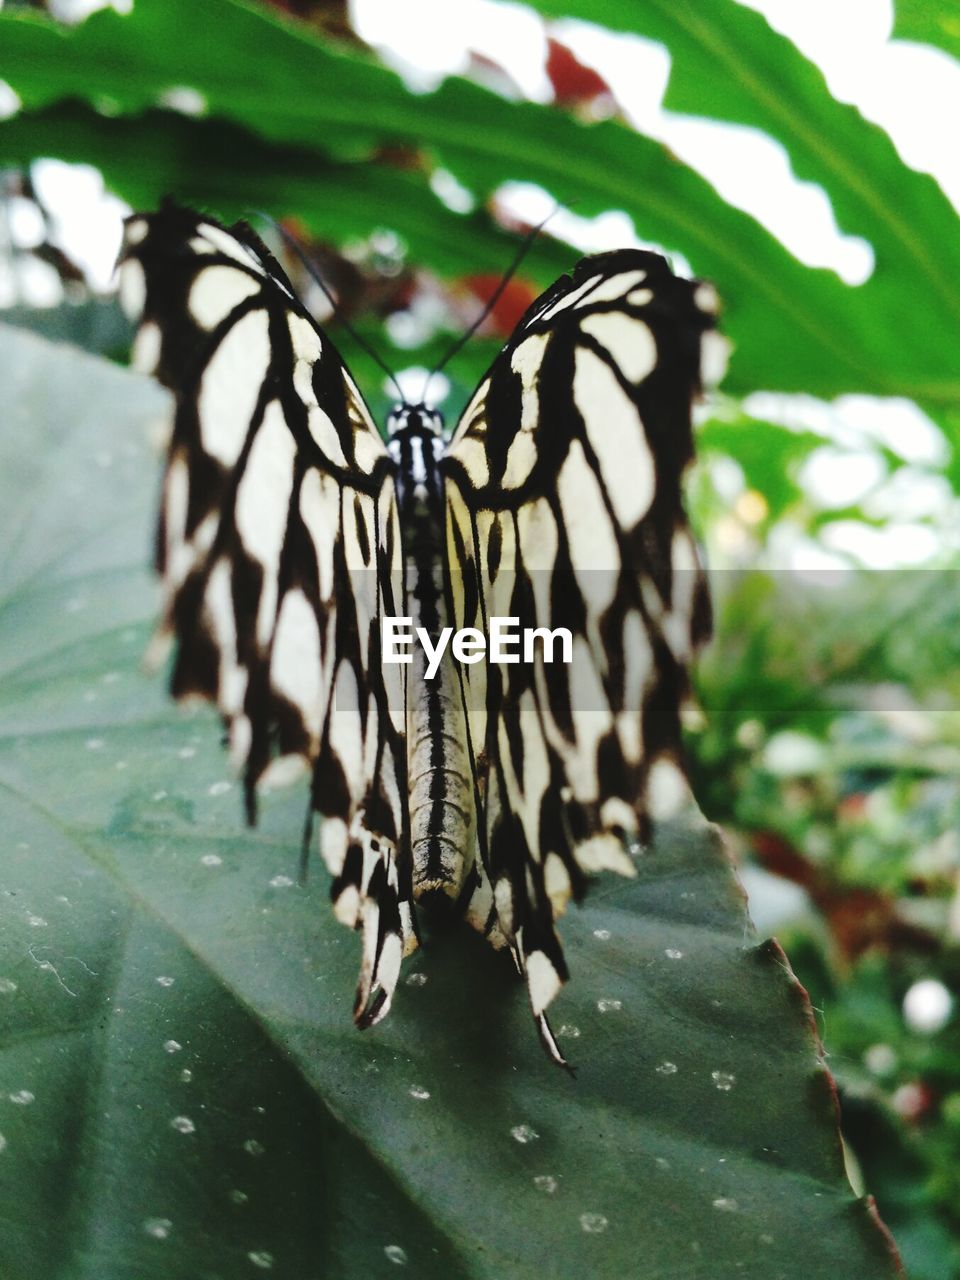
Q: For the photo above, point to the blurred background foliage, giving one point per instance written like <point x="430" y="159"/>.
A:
<point x="827" y="741"/>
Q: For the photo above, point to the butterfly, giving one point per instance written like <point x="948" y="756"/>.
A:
<point x="290" y="531"/>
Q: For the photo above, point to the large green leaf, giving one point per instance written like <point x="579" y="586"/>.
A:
<point x="728" y="64"/>
<point x="794" y="328"/>
<point x="183" y="1091"/>
<point x="225" y="166"/>
<point x="930" y="24"/>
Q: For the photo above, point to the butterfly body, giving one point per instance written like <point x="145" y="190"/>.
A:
<point x="290" y="531"/>
<point x="442" y="807"/>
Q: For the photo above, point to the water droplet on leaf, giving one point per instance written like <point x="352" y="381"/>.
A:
<point x="158" y="1228"/>
<point x="523" y="1133"/>
<point x="593" y="1223"/>
<point x="725" y="1204"/>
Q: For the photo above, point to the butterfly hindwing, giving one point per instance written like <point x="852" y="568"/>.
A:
<point x="279" y="548"/>
<point x="564" y="510"/>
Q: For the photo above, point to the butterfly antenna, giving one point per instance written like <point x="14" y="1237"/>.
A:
<point x="311" y="268"/>
<point x="492" y="301"/>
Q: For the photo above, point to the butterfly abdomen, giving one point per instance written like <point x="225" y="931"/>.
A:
<point x="442" y="808"/>
<point x="442" y="820"/>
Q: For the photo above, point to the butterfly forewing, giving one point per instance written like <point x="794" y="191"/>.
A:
<point x="279" y="548"/>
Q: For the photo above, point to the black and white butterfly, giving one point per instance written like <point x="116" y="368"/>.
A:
<point x="288" y="530"/>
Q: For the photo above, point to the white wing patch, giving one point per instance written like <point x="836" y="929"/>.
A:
<point x="569" y="299"/>
<point x="716" y="353"/>
<point x="367" y="452"/>
<point x="307" y="347"/>
<point x="669" y="790"/>
<point x="136" y="230"/>
<point x="176" y="495"/>
<point x="296" y="664"/>
<point x="614" y="288"/>
<point x="320" y="511"/>
<point x="262" y="501"/>
<point x="221" y="241"/>
<point x="593" y="544"/>
<point x="526" y="361"/>
<point x="217" y="291"/>
<point x="474" y="458"/>
<point x="623" y="454"/>
<point x="145" y="354"/>
<point x="133" y="288"/>
<point x="627" y="341"/>
<point x="543" y="981"/>
<point x="218" y="600"/>
<point x="230" y="387"/>
<point x="521" y="458"/>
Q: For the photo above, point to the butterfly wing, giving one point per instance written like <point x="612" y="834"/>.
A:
<point x="564" y="510"/>
<point x="279" y="548"/>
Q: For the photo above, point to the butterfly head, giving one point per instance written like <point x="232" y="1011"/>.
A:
<point x="415" y="443"/>
<point x="415" y="419"/>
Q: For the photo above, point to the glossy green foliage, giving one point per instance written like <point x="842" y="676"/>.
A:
<point x="325" y="131"/>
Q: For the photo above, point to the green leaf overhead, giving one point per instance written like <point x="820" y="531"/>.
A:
<point x="918" y="20"/>
<point x="794" y="328"/>
<point x="217" y="162"/>
<point x="728" y="64"/>
<point x="178" y="1010"/>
